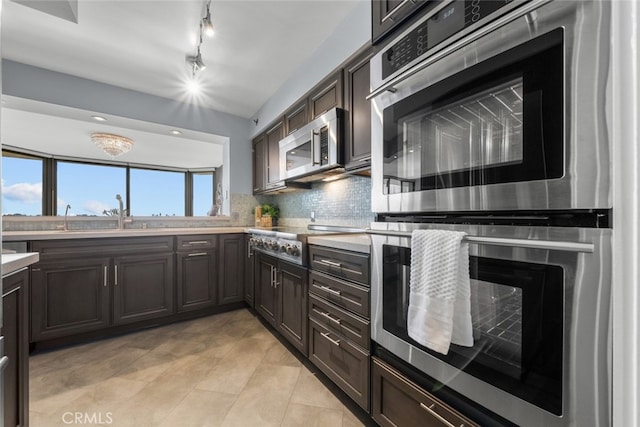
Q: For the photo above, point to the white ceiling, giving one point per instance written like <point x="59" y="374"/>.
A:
<point x="142" y="45"/>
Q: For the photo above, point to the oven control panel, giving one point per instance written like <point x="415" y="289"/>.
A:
<point x="453" y="18"/>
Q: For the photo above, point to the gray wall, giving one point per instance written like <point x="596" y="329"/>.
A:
<point x="43" y="85"/>
<point x="349" y="36"/>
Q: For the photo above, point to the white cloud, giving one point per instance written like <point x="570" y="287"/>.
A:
<point x="26" y="192"/>
<point x="96" y="207"/>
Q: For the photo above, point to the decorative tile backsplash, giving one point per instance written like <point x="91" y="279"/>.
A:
<point x="345" y="202"/>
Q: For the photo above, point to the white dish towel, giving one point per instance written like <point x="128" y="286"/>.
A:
<point x="440" y="294"/>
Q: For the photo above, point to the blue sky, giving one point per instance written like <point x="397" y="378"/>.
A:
<point x="91" y="189"/>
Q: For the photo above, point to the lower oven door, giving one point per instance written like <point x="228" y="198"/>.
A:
<point x="540" y="308"/>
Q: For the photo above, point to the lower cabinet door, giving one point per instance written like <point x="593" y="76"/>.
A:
<point x="344" y="363"/>
<point x="265" y="290"/>
<point x="291" y="283"/>
<point x="69" y="297"/>
<point x="196" y="280"/>
<point x="398" y="402"/>
<point x="142" y="287"/>
<point x="15" y="330"/>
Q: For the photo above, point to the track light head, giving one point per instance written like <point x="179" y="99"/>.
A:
<point x="207" y="25"/>
<point x="196" y="62"/>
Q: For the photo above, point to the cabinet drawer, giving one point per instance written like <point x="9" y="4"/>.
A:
<point x="346" y="364"/>
<point x="399" y="402"/>
<point x="343" y="264"/>
<point x="343" y="294"/>
<point x="204" y="241"/>
<point x="340" y="321"/>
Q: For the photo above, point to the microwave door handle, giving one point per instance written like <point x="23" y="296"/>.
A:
<point x="314" y="153"/>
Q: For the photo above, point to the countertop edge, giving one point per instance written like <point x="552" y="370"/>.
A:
<point x="15" y="262"/>
<point x="14" y="236"/>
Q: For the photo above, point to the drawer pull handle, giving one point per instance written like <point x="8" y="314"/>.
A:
<point x="439" y="417"/>
<point x="115" y="274"/>
<point x="197" y="254"/>
<point x="331" y="291"/>
<point x="328" y="316"/>
<point x="334" y="342"/>
<point x="331" y="263"/>
<point x="199" y="242"/>
<point x="106" y="274"/>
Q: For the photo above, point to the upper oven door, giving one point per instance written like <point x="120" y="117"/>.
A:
<point x="509" y="118"/>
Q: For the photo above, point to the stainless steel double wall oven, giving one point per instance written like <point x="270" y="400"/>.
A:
<point x="490" y="117"/>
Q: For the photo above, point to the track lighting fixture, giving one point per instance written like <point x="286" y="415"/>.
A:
<point x="195" y="61"/>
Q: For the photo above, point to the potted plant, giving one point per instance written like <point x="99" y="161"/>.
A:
<point x="270" y="215"/>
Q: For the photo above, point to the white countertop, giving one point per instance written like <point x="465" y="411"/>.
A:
<point x="14" y="262"/>
<point x="12" y="236"/>
<point x="356" y="242"/>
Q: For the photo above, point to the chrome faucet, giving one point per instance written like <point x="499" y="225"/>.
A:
<point x="120" y="213"/>
<point x="66" y="222"/>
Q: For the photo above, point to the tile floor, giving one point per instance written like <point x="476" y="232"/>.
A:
<point x="221" y="370"/>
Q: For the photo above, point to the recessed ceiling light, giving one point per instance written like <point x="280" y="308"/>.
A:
<point x="99" y="118"/>
<point x="175" y="132"/>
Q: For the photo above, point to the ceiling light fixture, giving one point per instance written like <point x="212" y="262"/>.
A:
<point x="195" y="61"/>
<point x="99" y="118"/>
<point x="175" y="132"/>
<point x="207" y="25"/>
<point x="113" y="145"/>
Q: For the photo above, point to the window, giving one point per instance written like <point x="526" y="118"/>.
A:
<point x="157" y="193"/>
<point x="21" y="184"/>
<point x="29" y="182"/>
<point x="203" y="193"/>
<point x="89" y="189"/>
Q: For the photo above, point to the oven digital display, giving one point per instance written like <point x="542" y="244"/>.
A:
<point x="452" y="19"/>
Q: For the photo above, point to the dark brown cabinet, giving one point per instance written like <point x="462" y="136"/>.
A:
<point x="291" y="305"/>
<point x="197" y="272"/>
<point x="358" y="113"/>
<point x="281" y="297"/>
<point x="398" y="402"/>
<point x="15" y="330"/>
<point x="142" y="287"/>
<point x="265" y="289"/>
<point x="387" y="15"/>
<point x="232" y="268"/>
<point x="296" y="117"/>
<point x="339" y="323"/>
<point x="69" y="296"/>
<point x="249" y="277"/>
<point x="326" y="95"/>
<point x="260" y="163"/>
<point x="84" y="285"/>
<point x="273" y="137"/>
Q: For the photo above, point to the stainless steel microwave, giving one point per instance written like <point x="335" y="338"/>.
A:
<point x="315" y="148"/>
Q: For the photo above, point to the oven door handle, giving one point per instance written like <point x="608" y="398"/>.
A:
<point x="517" y="243"/>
